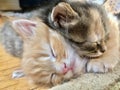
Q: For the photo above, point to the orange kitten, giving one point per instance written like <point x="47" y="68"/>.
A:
<point x="47" y="58"/>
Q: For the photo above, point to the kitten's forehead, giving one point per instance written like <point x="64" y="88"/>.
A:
<point x="95" y="14"/>
<point x="92" y="19"/>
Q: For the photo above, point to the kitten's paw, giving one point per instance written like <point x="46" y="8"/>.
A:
<point x="101" y="66"/>
<point x="18" y="74"/>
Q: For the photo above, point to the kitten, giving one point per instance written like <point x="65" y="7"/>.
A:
<point x="47" y="58"/>
<point x="91" y="31"/>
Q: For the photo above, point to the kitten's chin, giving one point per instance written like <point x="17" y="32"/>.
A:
<point x="93" y="55"/>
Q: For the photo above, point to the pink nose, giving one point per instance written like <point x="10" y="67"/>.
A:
<point x="66" y="69"/>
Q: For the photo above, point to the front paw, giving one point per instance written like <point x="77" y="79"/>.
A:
<point x="101" y="66"/>
<point x="18" y="74"/>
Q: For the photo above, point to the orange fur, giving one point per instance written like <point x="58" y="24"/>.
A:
<point x="45" y="54"/>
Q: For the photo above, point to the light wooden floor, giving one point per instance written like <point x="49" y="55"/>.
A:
<point x="7" y="65"/>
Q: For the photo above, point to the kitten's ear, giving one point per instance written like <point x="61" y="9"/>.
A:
<point x="63" y="15"/>
<point x="25" y="28"/>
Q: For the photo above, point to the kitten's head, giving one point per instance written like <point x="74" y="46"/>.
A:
<point x="47" y="58"/>
<point x="84" y="24"/>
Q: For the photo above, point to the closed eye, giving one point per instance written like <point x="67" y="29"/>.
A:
<point x="77" y="43"/>
<point x="53" y="53"/>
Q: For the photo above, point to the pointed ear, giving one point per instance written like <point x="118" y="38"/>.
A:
<point x="63" y="15"/>
<point x="25" y="28"/>
<point x="113" y="6"/>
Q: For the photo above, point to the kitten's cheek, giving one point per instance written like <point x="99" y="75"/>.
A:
<point x="59" y="68"/>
